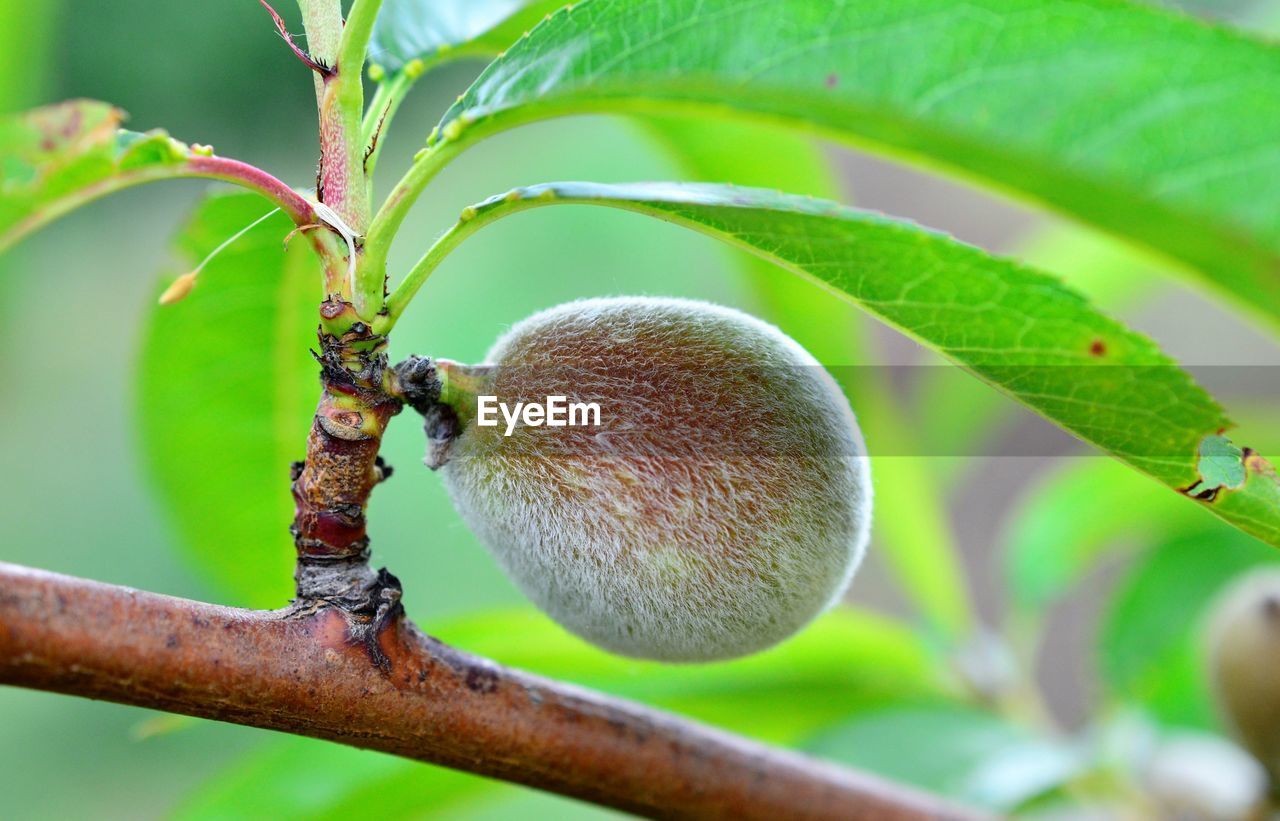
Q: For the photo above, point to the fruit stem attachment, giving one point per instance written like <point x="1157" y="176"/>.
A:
<point x="443" y="393"/>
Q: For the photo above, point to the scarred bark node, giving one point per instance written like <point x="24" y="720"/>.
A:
<point x="331" y="487"/>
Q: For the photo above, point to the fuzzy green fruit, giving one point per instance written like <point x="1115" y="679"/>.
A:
<point x="1244" y="663"/>
<point x="721" y="504"/>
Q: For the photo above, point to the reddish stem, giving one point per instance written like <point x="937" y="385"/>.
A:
<point x="291" y="202"/>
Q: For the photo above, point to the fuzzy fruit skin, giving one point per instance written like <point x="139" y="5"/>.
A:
<point x="1244" y="664"/>
<point x="722" y="504"/>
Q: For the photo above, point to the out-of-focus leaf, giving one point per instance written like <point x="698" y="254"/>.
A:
<point x="744" y="153"/>
<point x="973" y="756"/>
<point x="226" y="393"/>
<point x="839" y="664"/>
<point x="423" y="29"/>
<point x="302" y="778"/>
<point x="1073" y="517"/>
<point x="162" y="724"/>
<point x="1259" y="423"/>
<point x="24" y="52"/>
<point x="55" y="158"/>
<point x="1018" y="329"/>
<point x="1149" y="644"/>
<point x="1113" y="274"/>
<point x="1131" y="137"/>
<point x="306" y="778"/>
<point x="844" y="663"/>
<point x="910" y="528"/>
<point x="1234" y="10"/>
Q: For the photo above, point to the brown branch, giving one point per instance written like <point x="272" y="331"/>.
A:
<point x="297" y="671"/>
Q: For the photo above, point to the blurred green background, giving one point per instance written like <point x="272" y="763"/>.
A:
<point x="76" y="498"/>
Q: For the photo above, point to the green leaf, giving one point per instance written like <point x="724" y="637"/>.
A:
<point x="55" y="158"/>
<point x="226" y="393"/>
<point x="958" y="415"/>
<point x="1018" y="329"/>
<point x="845" y="663"/>
<point x="1150" y="642"/>
<point x="911" y="530"/>
<point x="971" y="755"/>
<point x="1110" y="112"/>
<point x="425" y="29"/>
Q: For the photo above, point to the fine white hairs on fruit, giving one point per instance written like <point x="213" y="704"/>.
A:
<point x="721" y="504"/>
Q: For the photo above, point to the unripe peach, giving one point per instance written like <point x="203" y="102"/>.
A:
<point x="1244" y="663"/>
<point x="721" y="503"/>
